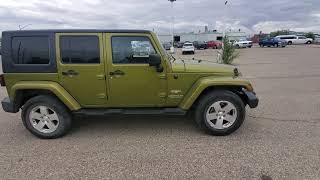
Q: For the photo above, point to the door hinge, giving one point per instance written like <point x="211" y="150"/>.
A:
<point x="101" y="77"/>
<point x="162" y="95"/>
<point x="162" y="76"/>
<point x="101" y="96"/>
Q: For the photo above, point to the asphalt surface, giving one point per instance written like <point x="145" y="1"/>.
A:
<point x="278" y="140"/>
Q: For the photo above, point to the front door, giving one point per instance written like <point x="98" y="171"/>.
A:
<point x="81" y="67"/>
<point x="132" y="82"/>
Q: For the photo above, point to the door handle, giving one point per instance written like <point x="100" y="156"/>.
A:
<point x="117" y="73"/>
<point x="70" y="73"/>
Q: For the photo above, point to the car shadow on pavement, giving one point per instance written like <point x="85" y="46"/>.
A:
<point x="137" y="123"/>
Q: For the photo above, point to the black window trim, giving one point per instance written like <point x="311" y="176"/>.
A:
<point x="84" y="35"/>
<point x="126" y="64"/>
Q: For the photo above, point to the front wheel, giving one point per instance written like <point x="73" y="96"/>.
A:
<point x="46" y="117"/>
<point x="220" y="113"/>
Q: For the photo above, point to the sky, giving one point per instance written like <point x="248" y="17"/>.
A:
<point x="251" y="16"/>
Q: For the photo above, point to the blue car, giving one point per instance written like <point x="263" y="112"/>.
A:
<point x="275" y="42"/>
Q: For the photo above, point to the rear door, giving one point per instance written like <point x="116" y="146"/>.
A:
<point x="80" y="63"/>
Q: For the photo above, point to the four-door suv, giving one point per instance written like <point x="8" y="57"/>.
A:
<point x="188" y="48"/>
<point x="52" y="75"/>
<point x="200" y="45"/>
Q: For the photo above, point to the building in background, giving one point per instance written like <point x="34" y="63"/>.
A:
<point x="204" y="36"/>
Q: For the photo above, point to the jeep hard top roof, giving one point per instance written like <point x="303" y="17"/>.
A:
<point x="78" y="31"/>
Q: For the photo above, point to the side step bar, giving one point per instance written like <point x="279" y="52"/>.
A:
<point x="131" y="111"/>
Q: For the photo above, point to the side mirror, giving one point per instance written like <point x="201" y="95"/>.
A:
<point x="155" y="60"/>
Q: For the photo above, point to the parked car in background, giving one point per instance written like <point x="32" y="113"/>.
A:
<point x="242" y="43"/>
<point x="200" y="45"/>
<point x="167" y="46"/>
<point x="188" y="48"/>
<point x="294" y="39"/>
<point x="317" y="39"/>
<point x="178" y="44"/>
<point x="275" y="42"/>
<point x="214" y="44"/>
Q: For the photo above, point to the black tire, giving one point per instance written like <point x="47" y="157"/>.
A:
<point x="212" y="97"/>
<point x="237" y="46"/>
<point x="309" y="42"/>
<point x="290" y="43"/>
<point x="192" y="52"/>
<point x="65" y="119"/>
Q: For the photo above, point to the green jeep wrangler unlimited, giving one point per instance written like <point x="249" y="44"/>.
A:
<point x="53" y="75"/>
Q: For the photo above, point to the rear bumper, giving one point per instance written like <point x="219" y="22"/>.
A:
<point x="187" y="50"/>
<point x="9" y="106"/>
<point x="251" y="98"/>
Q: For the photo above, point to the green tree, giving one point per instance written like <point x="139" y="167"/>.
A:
<point x="310" y="35"/>
<point x="277" y="33"/>
<point x="228" y="54"/>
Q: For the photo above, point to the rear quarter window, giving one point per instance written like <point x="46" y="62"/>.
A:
<point x="30" y="50"/>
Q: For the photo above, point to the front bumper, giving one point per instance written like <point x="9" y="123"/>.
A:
<point x="251" y="98"/>
<point x="9" y="106"/>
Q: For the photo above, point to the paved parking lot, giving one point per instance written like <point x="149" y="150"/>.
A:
<point x="280" y="139"/>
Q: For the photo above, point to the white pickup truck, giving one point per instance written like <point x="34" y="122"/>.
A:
<point x="294" y="39"/>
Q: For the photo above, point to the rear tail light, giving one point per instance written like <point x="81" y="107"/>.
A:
<point x="2" y="82"/>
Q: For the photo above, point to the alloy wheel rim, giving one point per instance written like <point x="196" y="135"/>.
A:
<point x="44" y="119"/>
<point x="221" y="114"/>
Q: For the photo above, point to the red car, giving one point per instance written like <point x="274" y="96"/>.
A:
<point x="214" y="44"/>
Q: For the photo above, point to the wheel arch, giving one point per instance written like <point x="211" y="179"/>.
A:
<point x="202" y="87"/>
<point x="23" y="91"/>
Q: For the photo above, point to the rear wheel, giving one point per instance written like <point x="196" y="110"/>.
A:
<point x="290" y="43"/>
<point x="220" y="113"/>
<point x="309" y="42"/>
<point x="46" y="117"/>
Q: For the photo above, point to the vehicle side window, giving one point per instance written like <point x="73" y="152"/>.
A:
<point x="30" y="50"/>
<point x="302" y="38"/>
<point x="80" y="49"/>
<point x="131" y="50"/>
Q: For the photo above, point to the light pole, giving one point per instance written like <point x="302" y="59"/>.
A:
<point x="220" y="55"/>
<point x="22" y="27"/>
<point x="172" y="26"/>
